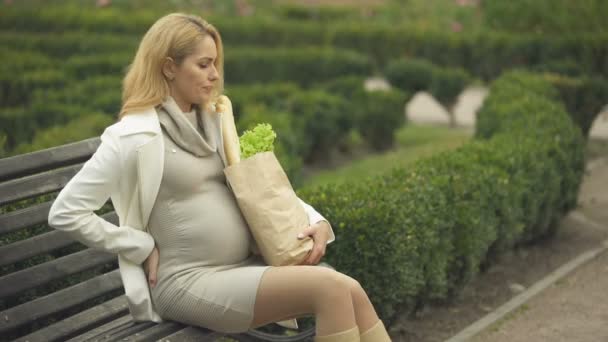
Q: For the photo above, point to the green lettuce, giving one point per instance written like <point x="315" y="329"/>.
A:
<point x="259" y="139"/>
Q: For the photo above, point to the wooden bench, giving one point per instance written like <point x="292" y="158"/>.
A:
<point x="55" y="289"/>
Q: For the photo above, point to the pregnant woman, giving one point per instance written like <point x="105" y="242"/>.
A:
<point x="184" y="250"/>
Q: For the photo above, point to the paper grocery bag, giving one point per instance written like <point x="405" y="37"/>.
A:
<point x="271" y="208"/>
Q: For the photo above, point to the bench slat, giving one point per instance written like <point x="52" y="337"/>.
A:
<point x="59" y="301"/>
<point x="194" y="334"/>
<point x="31" y="277"/>
<point x="81" y="322"/>
<point x="26" y="217"/>
<point x="33" y="246"/>
<point x="50" y="158"/>
<point x="36" y="214"/>
<point x="157" y="331"/>
<point x="40" y="244"/>
<point x="35" y="185"/>
<point x="98" y="333"/>
<point x="122" y="333"/>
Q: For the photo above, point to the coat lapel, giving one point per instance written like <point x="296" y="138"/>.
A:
<point x="150" y="163"/>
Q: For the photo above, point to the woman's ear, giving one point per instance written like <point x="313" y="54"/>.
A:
<point x="169" y="68"/>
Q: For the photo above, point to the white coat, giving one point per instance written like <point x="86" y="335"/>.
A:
<point x="126" y="167"/>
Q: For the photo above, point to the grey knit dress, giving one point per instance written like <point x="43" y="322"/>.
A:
<point x="207" y="275"/>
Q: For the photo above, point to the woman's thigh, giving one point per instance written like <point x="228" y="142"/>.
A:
<point x="287" y="292"/>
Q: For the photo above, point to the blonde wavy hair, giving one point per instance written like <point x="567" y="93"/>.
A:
<point x="175" y="35"/>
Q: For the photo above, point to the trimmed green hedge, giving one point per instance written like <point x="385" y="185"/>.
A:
<point x="304" y="65"/>
<point x="412" y="75"/>
<point x="376" y="115"/>
<point x="583" y="96"/>
<point x="546" y="16"/>
<point x="66" y="44"/>
<point x="485" y="54"/>
<point x="420" y="234"/>
<point x="84" y="127"/>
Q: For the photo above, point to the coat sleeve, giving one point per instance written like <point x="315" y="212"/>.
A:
<point x="314" y="217"/>
<point x="73" y="209"/>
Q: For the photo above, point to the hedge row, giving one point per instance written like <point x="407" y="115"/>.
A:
<point x="584" y="97"/>
<point x="310" y="122"/>
<point x="425" y="231"/>
<point x="304" y="65"/>
<point x="546" y="16"/>
<point x="444" y="83"/>
<point x="26" y="71"/>
<point x="484" y="54"/>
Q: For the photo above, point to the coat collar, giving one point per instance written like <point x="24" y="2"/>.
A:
<point x="150" y="155"/>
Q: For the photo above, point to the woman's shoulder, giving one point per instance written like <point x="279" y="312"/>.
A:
<point x="145" y="121"/>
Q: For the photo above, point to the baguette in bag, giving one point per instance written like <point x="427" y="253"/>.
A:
<point x="266" y="198"/>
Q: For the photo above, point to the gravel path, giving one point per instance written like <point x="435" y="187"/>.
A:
<point x="575" y="308"/>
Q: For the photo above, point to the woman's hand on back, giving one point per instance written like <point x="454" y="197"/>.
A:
<point x="151" y="266"/>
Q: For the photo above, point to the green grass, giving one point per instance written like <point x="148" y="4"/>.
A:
<point x="413" y="142"/>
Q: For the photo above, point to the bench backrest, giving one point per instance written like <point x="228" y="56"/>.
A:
<point x="44" y="273"/>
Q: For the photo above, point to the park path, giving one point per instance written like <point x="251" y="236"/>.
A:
<point x="575" y="308"/>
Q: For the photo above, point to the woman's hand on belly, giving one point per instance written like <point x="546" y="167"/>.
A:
<point x="151" y="266"/>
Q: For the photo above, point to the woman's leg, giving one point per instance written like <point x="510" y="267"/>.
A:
<point x="371" y="328"/>
<point x="365" y="314"/>
<point x="290" y="291"/>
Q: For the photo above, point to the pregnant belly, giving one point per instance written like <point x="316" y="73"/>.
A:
<point x="211" y="234"/>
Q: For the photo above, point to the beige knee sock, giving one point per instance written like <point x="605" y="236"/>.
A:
<point x="377" y="333"/>
<point x="350" y="335"/>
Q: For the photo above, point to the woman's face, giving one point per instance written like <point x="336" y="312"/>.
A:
<point x="194" y="80"/>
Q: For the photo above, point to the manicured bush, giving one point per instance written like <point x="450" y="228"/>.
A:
<point x="81" y="67"/>
<point x="322" y="118"/>
<point x="546" y="16"/>
<point x="273" y="95"/>
<point x="376" y="114"/>
<point x="411" y="75"/>
<point x="302" y="65"/>
<point x="583" y="96"/>
<point x="447" y="85"/>
<point x="20" y="124"/>
<point x="70" y="43"/>
<point x="425" y="231"/>
<point x="84" y="127"/>
<point x="101" y="93"/>
<point x="317" y="13"/>
<point x="484" y="53"/>
<point x="380" y="114"/>
<point x="76" y="17"/>
<point x="19" y="86"/>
